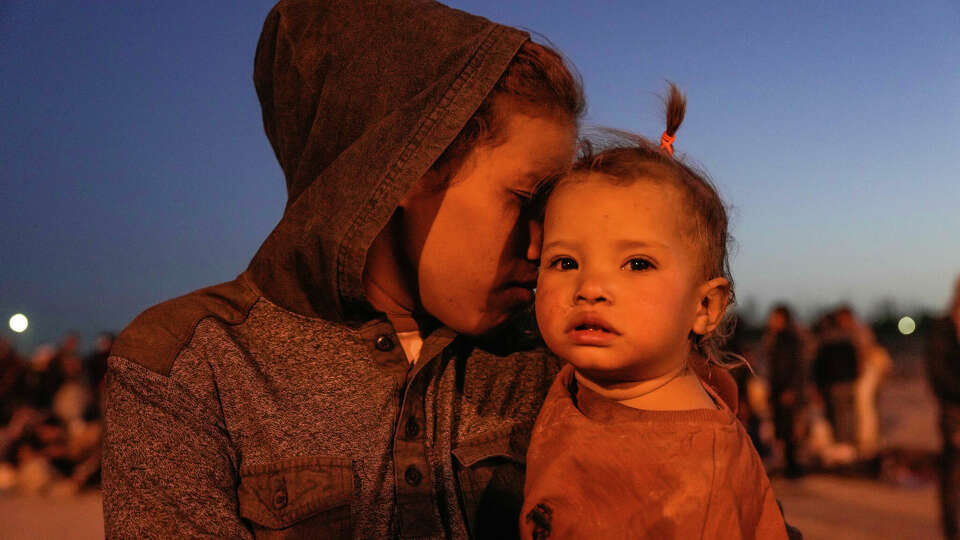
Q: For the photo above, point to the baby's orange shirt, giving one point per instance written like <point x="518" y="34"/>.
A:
<point x="599" y="469"/>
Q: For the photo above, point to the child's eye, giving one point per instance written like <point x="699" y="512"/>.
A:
<point x="638" y="265"/>
<point x="563" y="263"/>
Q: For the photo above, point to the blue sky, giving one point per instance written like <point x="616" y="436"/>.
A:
<point x="135" y="167"/>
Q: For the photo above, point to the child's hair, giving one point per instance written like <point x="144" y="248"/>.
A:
<point x="626" y="157"/>
<point x="538" y="79"/>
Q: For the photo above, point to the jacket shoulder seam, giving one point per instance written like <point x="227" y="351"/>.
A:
<point x="157" y="337"/>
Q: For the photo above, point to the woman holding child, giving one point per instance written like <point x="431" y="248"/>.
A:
<point x="364" y="377"/>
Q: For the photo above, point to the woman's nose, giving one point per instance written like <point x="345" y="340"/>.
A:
<point x="536" y="240"/>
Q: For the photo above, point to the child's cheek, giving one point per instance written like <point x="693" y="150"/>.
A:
<point x="551" y="310"/>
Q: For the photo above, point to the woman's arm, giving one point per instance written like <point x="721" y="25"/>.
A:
<point x="169" y="469"/>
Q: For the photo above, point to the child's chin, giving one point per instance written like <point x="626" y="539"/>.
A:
<point x="597" y="371"/>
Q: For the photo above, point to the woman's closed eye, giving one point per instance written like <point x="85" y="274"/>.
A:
<point x="638" y="264"/>
<point x="524" y="196"/>
<point x="563" y="263"/>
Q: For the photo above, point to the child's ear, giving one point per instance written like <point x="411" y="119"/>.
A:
<point x="714" y="297"/>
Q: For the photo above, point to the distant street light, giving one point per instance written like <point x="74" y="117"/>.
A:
<point x="19" y="323"/>
<point x="906" y="325"/>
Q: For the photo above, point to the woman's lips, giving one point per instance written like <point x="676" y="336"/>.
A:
<point x="519" y="291"/>
<point x="519" y="294"/>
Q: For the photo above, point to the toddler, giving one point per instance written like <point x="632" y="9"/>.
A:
<point x="632" y="292"/>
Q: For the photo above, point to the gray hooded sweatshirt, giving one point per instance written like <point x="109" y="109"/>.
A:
<point x="280" y="404"/>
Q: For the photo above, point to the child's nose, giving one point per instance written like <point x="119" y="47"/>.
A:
<point x="592" y="290"/>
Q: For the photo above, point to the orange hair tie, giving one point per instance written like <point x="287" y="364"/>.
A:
<point x="666" y="142"/>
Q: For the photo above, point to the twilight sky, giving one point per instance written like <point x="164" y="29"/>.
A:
<point x="134" y="168"/>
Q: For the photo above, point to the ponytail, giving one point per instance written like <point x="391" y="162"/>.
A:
<point x="676" y="108"/>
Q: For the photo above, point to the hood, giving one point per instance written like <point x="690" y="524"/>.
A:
<point x="359" y="99"/>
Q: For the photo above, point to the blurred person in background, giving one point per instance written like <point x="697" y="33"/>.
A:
<point x="31" y="471"/>
<point x="75" y="451"/>
<point x="943" y="369"/>
<point x="95" y="365"/>
<point x="40" y="380"/>
<point x="67" y="352"/>
<point x="11" y="369"/>
<point x="835" y="368"/>
<point x="29" y="430"/>
<point x="875" y="365"/>
<point x="51" y="443"/>
<point x="72" y="398"/>
<point x="783" y="348"/>
<point x="750" y="413"/>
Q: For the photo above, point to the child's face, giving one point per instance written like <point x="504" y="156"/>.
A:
<point x="620" y="285"/>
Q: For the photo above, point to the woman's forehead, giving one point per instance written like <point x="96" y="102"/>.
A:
<point x="543" y="141"/>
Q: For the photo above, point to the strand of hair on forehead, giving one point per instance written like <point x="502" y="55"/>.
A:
<point x="676" y="108"/>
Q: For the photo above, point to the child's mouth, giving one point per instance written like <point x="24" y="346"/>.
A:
<point x="591" y="336"/>
<point x="591" y="328"/>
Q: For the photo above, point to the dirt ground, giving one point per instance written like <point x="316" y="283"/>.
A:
<point x="830" y="507"/>
<point x="827" y="506"/>
<point x="822" y="506"/>
<point x="42" y="518"/>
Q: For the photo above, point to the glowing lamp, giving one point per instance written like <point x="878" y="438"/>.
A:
<point x="906" y="326"/>
<point x="19" y="323"/>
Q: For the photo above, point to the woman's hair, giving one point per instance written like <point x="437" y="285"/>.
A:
<point x="539" y="81"/>
<point x="626" y="158"/>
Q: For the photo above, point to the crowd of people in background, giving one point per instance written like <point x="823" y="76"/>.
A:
<point x="51" y="416"/>
<point x="808" y="398"/>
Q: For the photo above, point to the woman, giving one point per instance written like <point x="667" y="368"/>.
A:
<point x="339" y="387"/>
